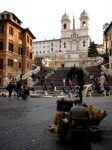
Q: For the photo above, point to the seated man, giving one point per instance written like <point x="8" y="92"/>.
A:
<point x="79" y="111"/>
<point x="79" y="116"/>
<point x="61" y="122"/>
<point x="79" y="124"/>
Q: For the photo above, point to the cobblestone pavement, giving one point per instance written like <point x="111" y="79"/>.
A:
<point x="24" y="123"/>
<point x="106" y="124"/>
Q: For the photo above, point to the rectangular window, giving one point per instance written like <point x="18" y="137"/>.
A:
<point x="30" y="55"/>
<point x="1" y="45"/>
<point x="110" y="37"/>
<point x="1" y="28"/>
<point x="27" y="65"/>
<point x="2" y="16"/>
<point x="11" y="30"/>
<point x="20" y="52"/>
<point x="28" y="39"/>
<point x="10" y="62"/>
<point x="64" y="45"/>
<point x="27" y="53"/>
<point x="20" y="35"/>
<point x="110" y="51"/>
<point x="11" y="47"/>
<point x="1" y="64"/>
<point x="19" y="64"/>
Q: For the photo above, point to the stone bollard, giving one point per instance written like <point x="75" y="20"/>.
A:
<point x="54" y="92"/>
<point x="45" y="93"/>
<point x="5" y="81"/>
<point x="70" y="94"/>
<point x="62" y="93"/>
<point x="30" y="82"/>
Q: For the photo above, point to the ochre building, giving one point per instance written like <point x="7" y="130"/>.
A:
<point x="15" y="46"/>
<point x="108" y="43"/>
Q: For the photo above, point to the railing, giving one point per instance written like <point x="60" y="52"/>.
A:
<point x="28" y="74"/>
<point x="107" y="71"/>
<point x="99" y="62"/>
<point x="86" y="89"/>
<point x="36" y="70"/>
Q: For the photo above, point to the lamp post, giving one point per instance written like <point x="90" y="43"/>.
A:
<point x="22" y="62"/>
<point x="83" y="55"/>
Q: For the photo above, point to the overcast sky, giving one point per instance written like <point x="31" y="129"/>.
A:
<point x="43" y="16"/>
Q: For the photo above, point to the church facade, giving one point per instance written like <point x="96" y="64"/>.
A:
<point x="75" y="40"/>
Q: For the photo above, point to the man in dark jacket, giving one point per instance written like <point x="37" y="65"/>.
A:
<point x="81" y="82"/>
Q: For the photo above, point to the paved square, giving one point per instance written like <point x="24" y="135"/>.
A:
<point x="24" y="123"/>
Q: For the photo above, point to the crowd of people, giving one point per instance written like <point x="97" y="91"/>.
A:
<point x="101" y="84"/>
<point x="19" y="88"/>
<point x="75" y="108"/>
<point x="78" y="74"/>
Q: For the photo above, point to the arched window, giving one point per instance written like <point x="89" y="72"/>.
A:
<point x="83" y="23"/>
<point x="64" y="26"/>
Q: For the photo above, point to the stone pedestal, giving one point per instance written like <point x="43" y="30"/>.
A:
<point x="45" y="93"/>
<point x="5" y="81"/>
<point x="54" y="92"/>
<point x="70" y="94"/>
<point x="30" y="82"/>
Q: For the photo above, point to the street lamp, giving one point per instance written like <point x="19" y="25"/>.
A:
<point x="22" y="69"/>
<point x="83" y="51"/>
<point x="83" y="55"/>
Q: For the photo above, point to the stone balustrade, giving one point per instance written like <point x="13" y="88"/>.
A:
<point x="106" y="70"/>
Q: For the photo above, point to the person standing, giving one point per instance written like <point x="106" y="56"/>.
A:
<point x="64" y="82"/>
<point x="45" y="86"/>
<point x="70" y="84"/>
<point x="10" y="88"/>
<point x="81" y="82"/>
<point x="52" y="86"/>
<point x="18" y="88"/>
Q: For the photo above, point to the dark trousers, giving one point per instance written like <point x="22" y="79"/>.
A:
<point x="80" y="92"/>
<point x="10" y="93"/>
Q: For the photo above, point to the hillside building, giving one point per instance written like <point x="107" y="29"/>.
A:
<point x="71" y="41"/>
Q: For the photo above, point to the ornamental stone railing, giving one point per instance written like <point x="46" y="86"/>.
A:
<point x="106" y="70"/>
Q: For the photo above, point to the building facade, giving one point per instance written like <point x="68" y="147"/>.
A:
<point x="72" y="40"/>
<point x="15" y="46"/>
<point x="100" y="48"/>
<point x="108" y="43"/>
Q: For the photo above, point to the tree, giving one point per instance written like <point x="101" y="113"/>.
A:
<point x="38" y="60"/>
<point x="92" y="50"/>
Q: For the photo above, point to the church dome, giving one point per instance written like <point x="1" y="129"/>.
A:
<point x="84" y="14"/>
<point x="65" y="16"/>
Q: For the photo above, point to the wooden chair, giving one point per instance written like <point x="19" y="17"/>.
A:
<point x="79" y="130"/>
